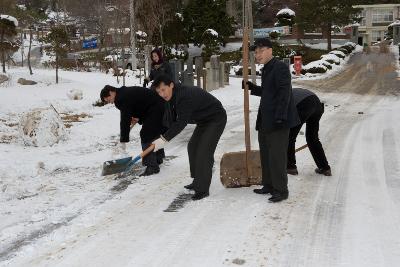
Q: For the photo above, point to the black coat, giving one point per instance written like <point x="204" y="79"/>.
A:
<point x="277" y="109"/>
<point x="144" y="104"/>
<point x="164" y="68"/>
<point x="191" y="105"/>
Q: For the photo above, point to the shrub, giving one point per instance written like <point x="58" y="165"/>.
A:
<point x="316" y="69"/>
<point x="344" y="50"/>
<point x="339" y="54"/>
<point x="327" y="64"/>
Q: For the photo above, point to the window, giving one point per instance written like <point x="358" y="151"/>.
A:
<point x="382" y="15"/>
<point x="363" y="15"/>
<point x="376" y="36"/>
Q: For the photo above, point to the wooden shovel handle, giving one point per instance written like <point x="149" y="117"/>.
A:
<point x="147" y="151"/>
<point x="301" y="148"/>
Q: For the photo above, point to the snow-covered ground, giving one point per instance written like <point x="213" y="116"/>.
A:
<point x="57" y="210"/>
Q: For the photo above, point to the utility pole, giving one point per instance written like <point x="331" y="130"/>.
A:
<point x="133" y="34"/>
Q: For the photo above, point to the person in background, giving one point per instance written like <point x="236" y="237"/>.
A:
<point x="158" y="66"/>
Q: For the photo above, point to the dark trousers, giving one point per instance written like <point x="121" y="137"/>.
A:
<point x="201" y="148"/>
<point x="153" y="158"/>
<point x="273" y="149"/>
<point x="310" y="111"/>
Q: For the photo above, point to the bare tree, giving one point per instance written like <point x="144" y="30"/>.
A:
<point x="153" y="16"/>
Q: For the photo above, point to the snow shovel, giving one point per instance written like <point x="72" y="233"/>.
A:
<point x="124" y="164"/>
<point x="239" y="168"/>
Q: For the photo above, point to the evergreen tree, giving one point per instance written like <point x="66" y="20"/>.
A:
<point x="326" y="13"/>
<point x="8" y="30"/>
<point x="201" y="15"/>
<point x="58" y="42"/>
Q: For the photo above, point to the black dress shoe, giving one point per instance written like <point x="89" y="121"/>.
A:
<point x="263" y="191"/>
<point x="150" y="170"/>
<point x="189" y="186"/>
<point x="199" y="195"/>
<point x="292" y="171"/>
<point x="326" y="172"/>
<point x="276" y="197"/>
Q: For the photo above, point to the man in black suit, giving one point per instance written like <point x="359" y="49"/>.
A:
<point x="143" y="106"/>
<point x="276" y="115"/>
<point x="193" y="105"/>
<point x="310" y="110"/>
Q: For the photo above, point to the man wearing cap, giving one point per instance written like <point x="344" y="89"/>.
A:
<point x="276" y="115"/>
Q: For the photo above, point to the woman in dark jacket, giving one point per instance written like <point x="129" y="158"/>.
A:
<point x="158" y="66"/>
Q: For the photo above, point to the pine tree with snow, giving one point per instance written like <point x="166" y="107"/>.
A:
<point x="201" y="15"/>
<point x="286" y="17"/>
<point x="8" y="30"/>
<point x="314" y="14"/>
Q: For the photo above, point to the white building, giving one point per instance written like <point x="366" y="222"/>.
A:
<point x="376" y="19"/>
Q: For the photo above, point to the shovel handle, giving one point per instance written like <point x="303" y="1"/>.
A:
<point x="147" y="151"/>
<point x="301" y="148"/>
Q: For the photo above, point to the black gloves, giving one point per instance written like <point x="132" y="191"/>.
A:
<point x="145" y="82"/>
<point x="250" y="84"/>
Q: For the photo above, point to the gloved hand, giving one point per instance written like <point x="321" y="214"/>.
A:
<point x="250" y="84"/>
<point x="134" y="121"/>
<point x="159" y="144"/>
<point x="145" y="82"/>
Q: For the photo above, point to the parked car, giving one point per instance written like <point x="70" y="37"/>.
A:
<point x="126" y="60"/>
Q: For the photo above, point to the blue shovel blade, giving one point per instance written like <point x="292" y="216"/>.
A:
<point x="116" y="166"/>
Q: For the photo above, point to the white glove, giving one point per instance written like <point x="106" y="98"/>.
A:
<point x="159" y="144"/>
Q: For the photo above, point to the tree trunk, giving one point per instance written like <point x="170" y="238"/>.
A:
<point x="22" y="48"/>
<point x="329" y="36"/>
<point x="56" y="68"/>
<point x="29" y="51"/>
<point x="3" y="59"/>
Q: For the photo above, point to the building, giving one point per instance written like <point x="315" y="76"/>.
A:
<point x="375" y="22"/>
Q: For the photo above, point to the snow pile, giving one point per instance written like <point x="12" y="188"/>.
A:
<point x="141" y="34"/>
<point x="179" y="16"/>
<point x="41" y="127"/>
<point x="75" y="94"/>
<point x="10" y="18"/>
<point x="338" y="53"/>
<point x="331" y="58"/>
<point x="212" y="32"/>
<point x="286" y="11"/>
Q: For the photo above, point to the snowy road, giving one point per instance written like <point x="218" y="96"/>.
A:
<point x="349" y="219"/>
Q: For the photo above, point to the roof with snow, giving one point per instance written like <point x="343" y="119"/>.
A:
<point x="287" y="11"/>
<point x="10" y="18"/>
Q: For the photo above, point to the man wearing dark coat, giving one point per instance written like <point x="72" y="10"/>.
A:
<point x="310" y="110"/>
<point x="276" y="115"/>
<point x="146" y="107"/>
<point x="193" y="105"/>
